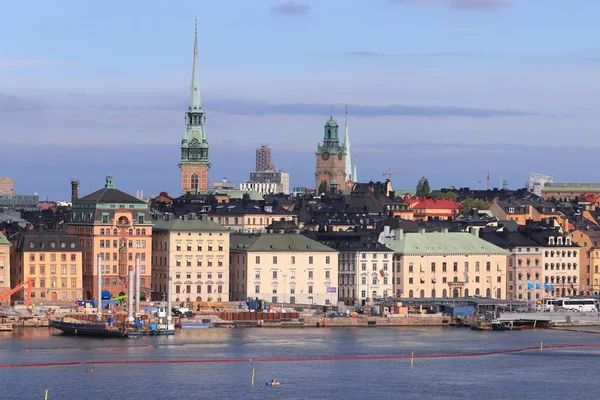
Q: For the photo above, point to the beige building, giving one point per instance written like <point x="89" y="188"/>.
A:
<point x="447" y="264"/>
<point x="53" y="262"/>
<point x="283" y="268"/>
<point x="560" y="259"/>
<point x="195" y="254"/>
<point x="4" y="264"/>
<point x="7" y="186"/>
<point x="589" y="260"/>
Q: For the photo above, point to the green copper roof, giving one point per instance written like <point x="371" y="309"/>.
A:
<point x="239" y="194"/>
<point x="4" y="240"/>
<point x="280" y="242"/>
<point x="188" y="225"/>
<point x="576" y="189"/>
<point x="443" y="243"/>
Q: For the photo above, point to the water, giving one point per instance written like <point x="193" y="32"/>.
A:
<point x="550" y="374"/>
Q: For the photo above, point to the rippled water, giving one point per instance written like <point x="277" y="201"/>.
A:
<point x="548" y="374"/>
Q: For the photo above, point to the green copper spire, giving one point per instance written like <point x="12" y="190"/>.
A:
<point x="195" y="101"/>
<point x="354" y="175"/>
<point x="194" y="145"/>
<point x="109" y="182"/>
<point x="347" y="145"/>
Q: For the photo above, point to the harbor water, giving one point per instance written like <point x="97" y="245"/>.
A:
<point x="534" y="374"/>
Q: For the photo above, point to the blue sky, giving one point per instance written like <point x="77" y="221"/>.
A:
<point x="443" y="88"/>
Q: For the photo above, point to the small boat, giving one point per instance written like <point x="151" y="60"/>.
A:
<point x="6" y="327"/>
<point x="480" y="326"/>
<point x="197" y="324"/>
<point x="87" y="328"/>
<point x="273" y="383"/>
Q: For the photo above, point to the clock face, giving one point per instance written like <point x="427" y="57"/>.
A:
<point x="194" y="141"/>
<point x="325" y="156"/>
<point x="340" y="156"/>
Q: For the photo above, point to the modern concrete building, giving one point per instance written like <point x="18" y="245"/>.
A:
<point x="7" y="186"/>
<point x="267" y="182"/>
<point x="53" y="262"/>
<point x="116" y="226"/>
<point x="194" y="162"/>
<point x="195" y="255"/>
<point x="447" y="264"/>
<point x="263" y="159"/>
<point x="283" y="268"/>
<point x="4" y="264"/>
<point x="536" y="183"/>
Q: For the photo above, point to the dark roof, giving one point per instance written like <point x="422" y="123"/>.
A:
<point x="507" y="239"/>
<point x="279" y="242"/>
<point x="109" y="196"/>
<point x="50" y="241"/>
<point x="349" y="241"/>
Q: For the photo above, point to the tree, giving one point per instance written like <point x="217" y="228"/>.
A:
<point x="322" y="188"/>
<point x="446" y="196"/>
<point x="469" y="204"/>
<point x="423" y="188"/>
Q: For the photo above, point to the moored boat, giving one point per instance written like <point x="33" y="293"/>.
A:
<point x="87" y="328"/>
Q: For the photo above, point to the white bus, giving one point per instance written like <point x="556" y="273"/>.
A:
<point x="551" y="304"/>
<point x="581" y="305"/>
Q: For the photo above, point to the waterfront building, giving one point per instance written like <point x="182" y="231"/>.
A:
<point x="194" y="145"/>
<point x="447" y="264"/>
<point x="589" y="259"/>
<point x="263" y="159"/>
<point x="267" y="182"/>
<point x="331" y="172"/>
<point x="4" y="264"/>
<point x="53" y="262"/>
<point x="560" y="258"/>
<point x="7" y="186"/>
<point x="246" y="215"/>
<point x="194" y="254"/>
<point x="570" y="191"/>
<point x="116" y="226"/>
<point x="365" y="266"/>
<point x="283" y="268"/>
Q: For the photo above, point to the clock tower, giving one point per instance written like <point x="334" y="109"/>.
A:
<point x="194" y="145"/>
<point x="331" y="160"/>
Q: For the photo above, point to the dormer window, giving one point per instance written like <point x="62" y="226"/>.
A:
<point x="511" y="210"/>
<point x="559" y="240"/>
<point x="551" y="240"/>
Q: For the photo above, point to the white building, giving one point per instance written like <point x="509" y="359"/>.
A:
<point x="267" y="182"/>
<point x="536" y="182"/>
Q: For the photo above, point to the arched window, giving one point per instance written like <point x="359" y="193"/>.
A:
<point x="410" y="293"/>
<point x="498" y="294"/>
<point x="137" y="232"/>
<point x="194" y="182"/>
<point x="130" y="231"/>
<point x="422" y="293"/>
<point x="115" y="231"/>
<point x="477" y="292"/>
<point x="143" y="232"/>
<point x="488" y="292"/>
<point x="102" y="231"/>
<point x="444" y="293"/>
<point x="466" y="292"/>
<point x="432" y="292"/>
<point x="455" y="293"/>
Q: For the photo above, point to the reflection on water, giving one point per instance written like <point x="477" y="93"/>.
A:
<point x="535" y="374"/>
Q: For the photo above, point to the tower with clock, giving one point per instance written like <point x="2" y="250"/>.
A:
<point x="330" y="174"/>
<point x="194" y="145"/>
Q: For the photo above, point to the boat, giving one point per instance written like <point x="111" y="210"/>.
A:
<point x="505" y="326"/>
<point x="6" y="327"/>
<point x="197" y="324"/>
<point x="273" y="383"/>
<point x="152" y="330"/>
<point x="480" y="325"/>
<point x="88" y="328"/>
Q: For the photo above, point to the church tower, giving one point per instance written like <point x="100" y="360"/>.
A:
<point x="194" y="145"/>
<point x="331" y="160"/>
<point x="347" y="148"/>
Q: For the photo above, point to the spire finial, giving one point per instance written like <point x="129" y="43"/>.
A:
<point x="195" y="87"/>
<point x="331" y="111"/>
<point x="346" y="110"/>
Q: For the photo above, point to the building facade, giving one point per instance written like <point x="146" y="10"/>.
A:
<point x="7" y="186"/>
<point x="194" y="145"/>
<point x="589" y="259"/>
<point x="267" y="182"/>
<point x="283" y="268"/>
<point x="263" y="159"/>
<point x="561" y="265"/>
<point x="331" y="161"/>
<point x="447" y="264"/>
<point x="53" y="262"/>
<point x="195" y="255"/>
<point x="5" y="283"/>
<point x="117" y="227"/>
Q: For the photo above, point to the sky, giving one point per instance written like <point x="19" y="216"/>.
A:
<point x="447" y="89"/>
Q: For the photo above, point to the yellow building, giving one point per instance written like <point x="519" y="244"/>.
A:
<point x="589" y="260"/>
<point x="117" y="227"/>
<point x="447" y="264"/>
<point x="4" y="264"/>
<point x="283" y="268"/>
<point x="195" y="254"/>
<point x="53" y="262"/>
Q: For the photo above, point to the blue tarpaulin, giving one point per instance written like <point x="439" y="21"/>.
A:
<point x="529" y="285"/>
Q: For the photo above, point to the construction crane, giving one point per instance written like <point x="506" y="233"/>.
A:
<point x="14" y="290"/>
<point x="391" y="172"/>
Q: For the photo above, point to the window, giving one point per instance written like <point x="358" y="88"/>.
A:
<point x="455" y="267"/>
<point x="274" y="259"/>
<point x="363" y="266"/>
<point x="410" y="281"/>
<point x="374" y="266"/>
<point x="52" y="257"/>
<point x="32" y="270"/>
<point x="432" y="267"/>
<point x="258" y="259"/>
<point x="274" y="288"/>
<point x="488" y="266"/>
<point x="310" y="289"/>
<point x="374" y="280"/>
<point x="293" y="260"/>
<point x="256" y="274"/>
<point x="256" y="288"/>
<point x="63" y="269"/>
<point x="410" y="267"/>
<point x="292" y="274"/>
<point x="310" y="274"/>
<point x="310" y="259"/>
<point x="32" y="257"/>
<point x="443" y="267"/>
<point x="363" y="280"/>
<point x="177" y="289"/>
<point x="385" y="280"/>
<point x="327" y="274"/>
<point x="274" y="274"/>
<point x="327" y="260"/>
<point x="292" y="289"/>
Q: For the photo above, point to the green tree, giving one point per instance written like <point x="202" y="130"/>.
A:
<point x="423" y="188"/>
<point x="447" y="196"/>
<point x="322" y="188"/>
<point x="468" y="204"/>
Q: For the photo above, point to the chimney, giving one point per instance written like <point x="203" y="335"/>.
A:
<point x="475" y="231"/>
<point x="74" y="191"/>
<point x="398" y="234"/>
<point x="445" y="231"/>
<point x="421" y="231"/>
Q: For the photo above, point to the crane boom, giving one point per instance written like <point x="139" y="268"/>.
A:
<point x="16" y="289"/>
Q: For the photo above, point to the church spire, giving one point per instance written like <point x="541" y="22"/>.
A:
<point x="195" y="87"/>
<point x="347" y="146"/>
<point x="354" y="176"/>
